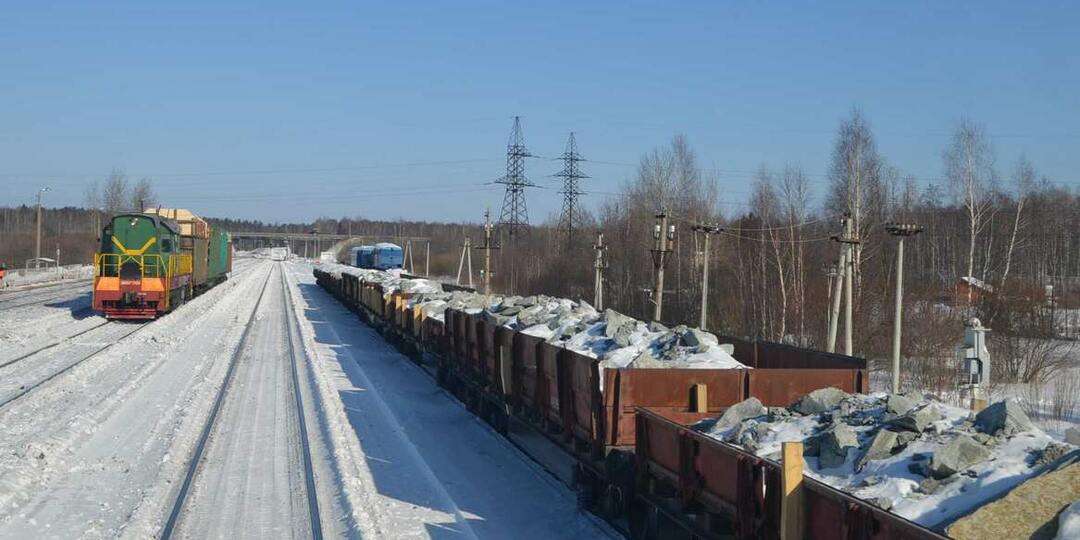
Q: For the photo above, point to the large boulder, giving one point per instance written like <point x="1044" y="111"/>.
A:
<point x="881" y="447"/>
<point x="646" y="360"/>
<point x="820" y="400"/>
<point x="739" y="412"/>
<point x="1072" y="436"/>
<point x="1004" y="417"/>
<point x="614" y="320"/>
<point x="696" y="338"/>
<point x="899" y="405"/>
<point x="495" y="319"/>
<point x="619" y="327"/>
<point x="834" y="445"/>
<point x="961" y="453"/>
<point x="916" y="421"/>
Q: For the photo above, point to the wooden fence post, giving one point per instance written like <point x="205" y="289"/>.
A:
<point x="791" y="507"/>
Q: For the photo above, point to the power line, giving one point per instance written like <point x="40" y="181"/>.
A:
<point x="268" y="171"/>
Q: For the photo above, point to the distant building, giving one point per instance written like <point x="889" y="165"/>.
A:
<point x="970" y="290"/>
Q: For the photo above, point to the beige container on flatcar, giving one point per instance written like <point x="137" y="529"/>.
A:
<point x="194" y="239"/>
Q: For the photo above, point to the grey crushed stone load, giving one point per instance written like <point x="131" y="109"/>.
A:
<point x="834" y="445"/>
<point x="917" y="420"/>
<point x="1005" y="417"/>
<point x="961" y="453"/>
<point x="820" y="400"/>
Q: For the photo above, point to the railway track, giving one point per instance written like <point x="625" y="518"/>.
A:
<point x="292" y="325"/>
<point x="33" y="382"/>
<point x="6" y="363"/>
<point x="197" y="467"/>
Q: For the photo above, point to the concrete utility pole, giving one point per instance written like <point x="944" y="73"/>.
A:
<point x="37" y="249"/>
<point x="707" y="231"/>
<point x="487" y="247"/>
<point x="409" y="256"/>
<point x="849" y="278"/>
<point x="830" y="273"/>
<point x="599" y="265"/>
<point x="843" y="288"/>
<point x="900" y="231"/>
<point x="662" y="234"/>
<point x="97" y="222"/>
<point x="466" y="252"/>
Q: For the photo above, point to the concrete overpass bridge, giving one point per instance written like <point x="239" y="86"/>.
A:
<point x="310" y="245"/>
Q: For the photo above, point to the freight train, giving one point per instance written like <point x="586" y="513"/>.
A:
<point x="381" y="256"/>
<point x="639" y="463"/>
<point x="150" y="263"/>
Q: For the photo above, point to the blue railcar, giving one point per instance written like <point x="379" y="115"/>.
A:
<point x="366" y="257"/>
<point x="361" y="256"/>
<point x="386" y="256"/>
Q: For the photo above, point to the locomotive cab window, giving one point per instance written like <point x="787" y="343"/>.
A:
<point x="166" y="245"/>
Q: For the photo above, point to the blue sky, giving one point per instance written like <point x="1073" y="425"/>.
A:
<point x="289" y="111"/>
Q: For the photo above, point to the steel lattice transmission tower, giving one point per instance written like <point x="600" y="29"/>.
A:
<point x="515" y="215"/>
<point x="571" y="174"/>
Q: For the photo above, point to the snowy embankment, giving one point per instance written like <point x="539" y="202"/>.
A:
<point x="615" y="339"/>
<point x="26" y="277"/>
<point x="917" y="457"/>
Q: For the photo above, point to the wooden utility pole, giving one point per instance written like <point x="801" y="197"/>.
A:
<point x="427" y="259"/>
<point x="662" y="234"/>
<point x="707" y="231"/>
<point x="599" y="265"/>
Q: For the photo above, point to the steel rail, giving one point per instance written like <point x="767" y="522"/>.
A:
<point x="309" y="470"/>
<point x="196" y="457"/>
<point x="39" y="299"/>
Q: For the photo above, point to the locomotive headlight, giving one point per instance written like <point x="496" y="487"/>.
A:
<point x="133" y="221"/>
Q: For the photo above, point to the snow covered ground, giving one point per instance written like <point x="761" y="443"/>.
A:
<point x="99" y="450"/>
